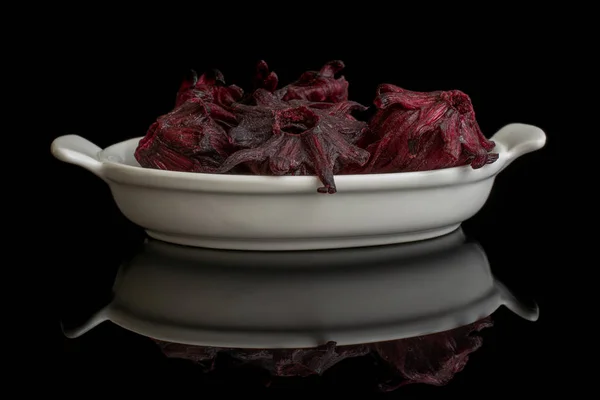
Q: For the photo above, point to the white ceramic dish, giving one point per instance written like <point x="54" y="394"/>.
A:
<point x="286" y="213"/>
<point x="272" y="300"/>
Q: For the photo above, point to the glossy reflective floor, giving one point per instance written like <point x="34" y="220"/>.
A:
<point x="374" y="319"/>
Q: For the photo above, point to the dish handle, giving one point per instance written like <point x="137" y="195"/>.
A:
<point x="95" y="320"/>
<point x="76" y="150"/>
<point x="519" y="139"/>
<point x="525" y="308"/>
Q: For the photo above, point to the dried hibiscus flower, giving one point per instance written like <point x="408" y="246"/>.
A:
<point x="425" y="131"/>
<point x="209" y="87"/>
<point x="265" y="79"/>
<point x="296" y="138"/>
<point x="320" y="86"/>
<point x="187" y="139"/>
<point x="307" y="128"/>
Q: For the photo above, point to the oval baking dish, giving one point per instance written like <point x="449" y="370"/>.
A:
<point x="251" y="212"/>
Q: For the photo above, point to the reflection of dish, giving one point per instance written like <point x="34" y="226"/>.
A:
<point x="304" y="299"/>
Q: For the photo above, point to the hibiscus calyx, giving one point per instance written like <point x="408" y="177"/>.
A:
<point x="186" y="139"/>
<point x="209" y="87"/>
<point x="419" y="131"/>
<point x="320" y="86"/>
<point x="296" y="138"/>
<point x="294" y="121"/>
<point x="309" y="127"/>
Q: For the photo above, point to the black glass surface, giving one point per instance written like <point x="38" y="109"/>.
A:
<point x="509" y="341"/>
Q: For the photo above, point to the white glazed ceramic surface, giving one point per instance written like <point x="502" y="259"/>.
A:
<point x="304" y="298"/>
<point x="285" y="212"/>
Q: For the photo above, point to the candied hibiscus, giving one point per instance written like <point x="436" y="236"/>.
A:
<point x="296" y="137"/>
<point x="186" y="139"/>
<point x="320" y="86"/>
<point x="420" y="131"/>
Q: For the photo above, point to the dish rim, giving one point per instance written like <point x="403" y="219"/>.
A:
<point x="511" y="141"/>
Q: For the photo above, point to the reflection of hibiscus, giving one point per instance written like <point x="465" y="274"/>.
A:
<point x="431" y="360"/>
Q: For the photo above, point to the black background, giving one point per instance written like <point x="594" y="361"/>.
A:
<point x="110" y="88"/>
